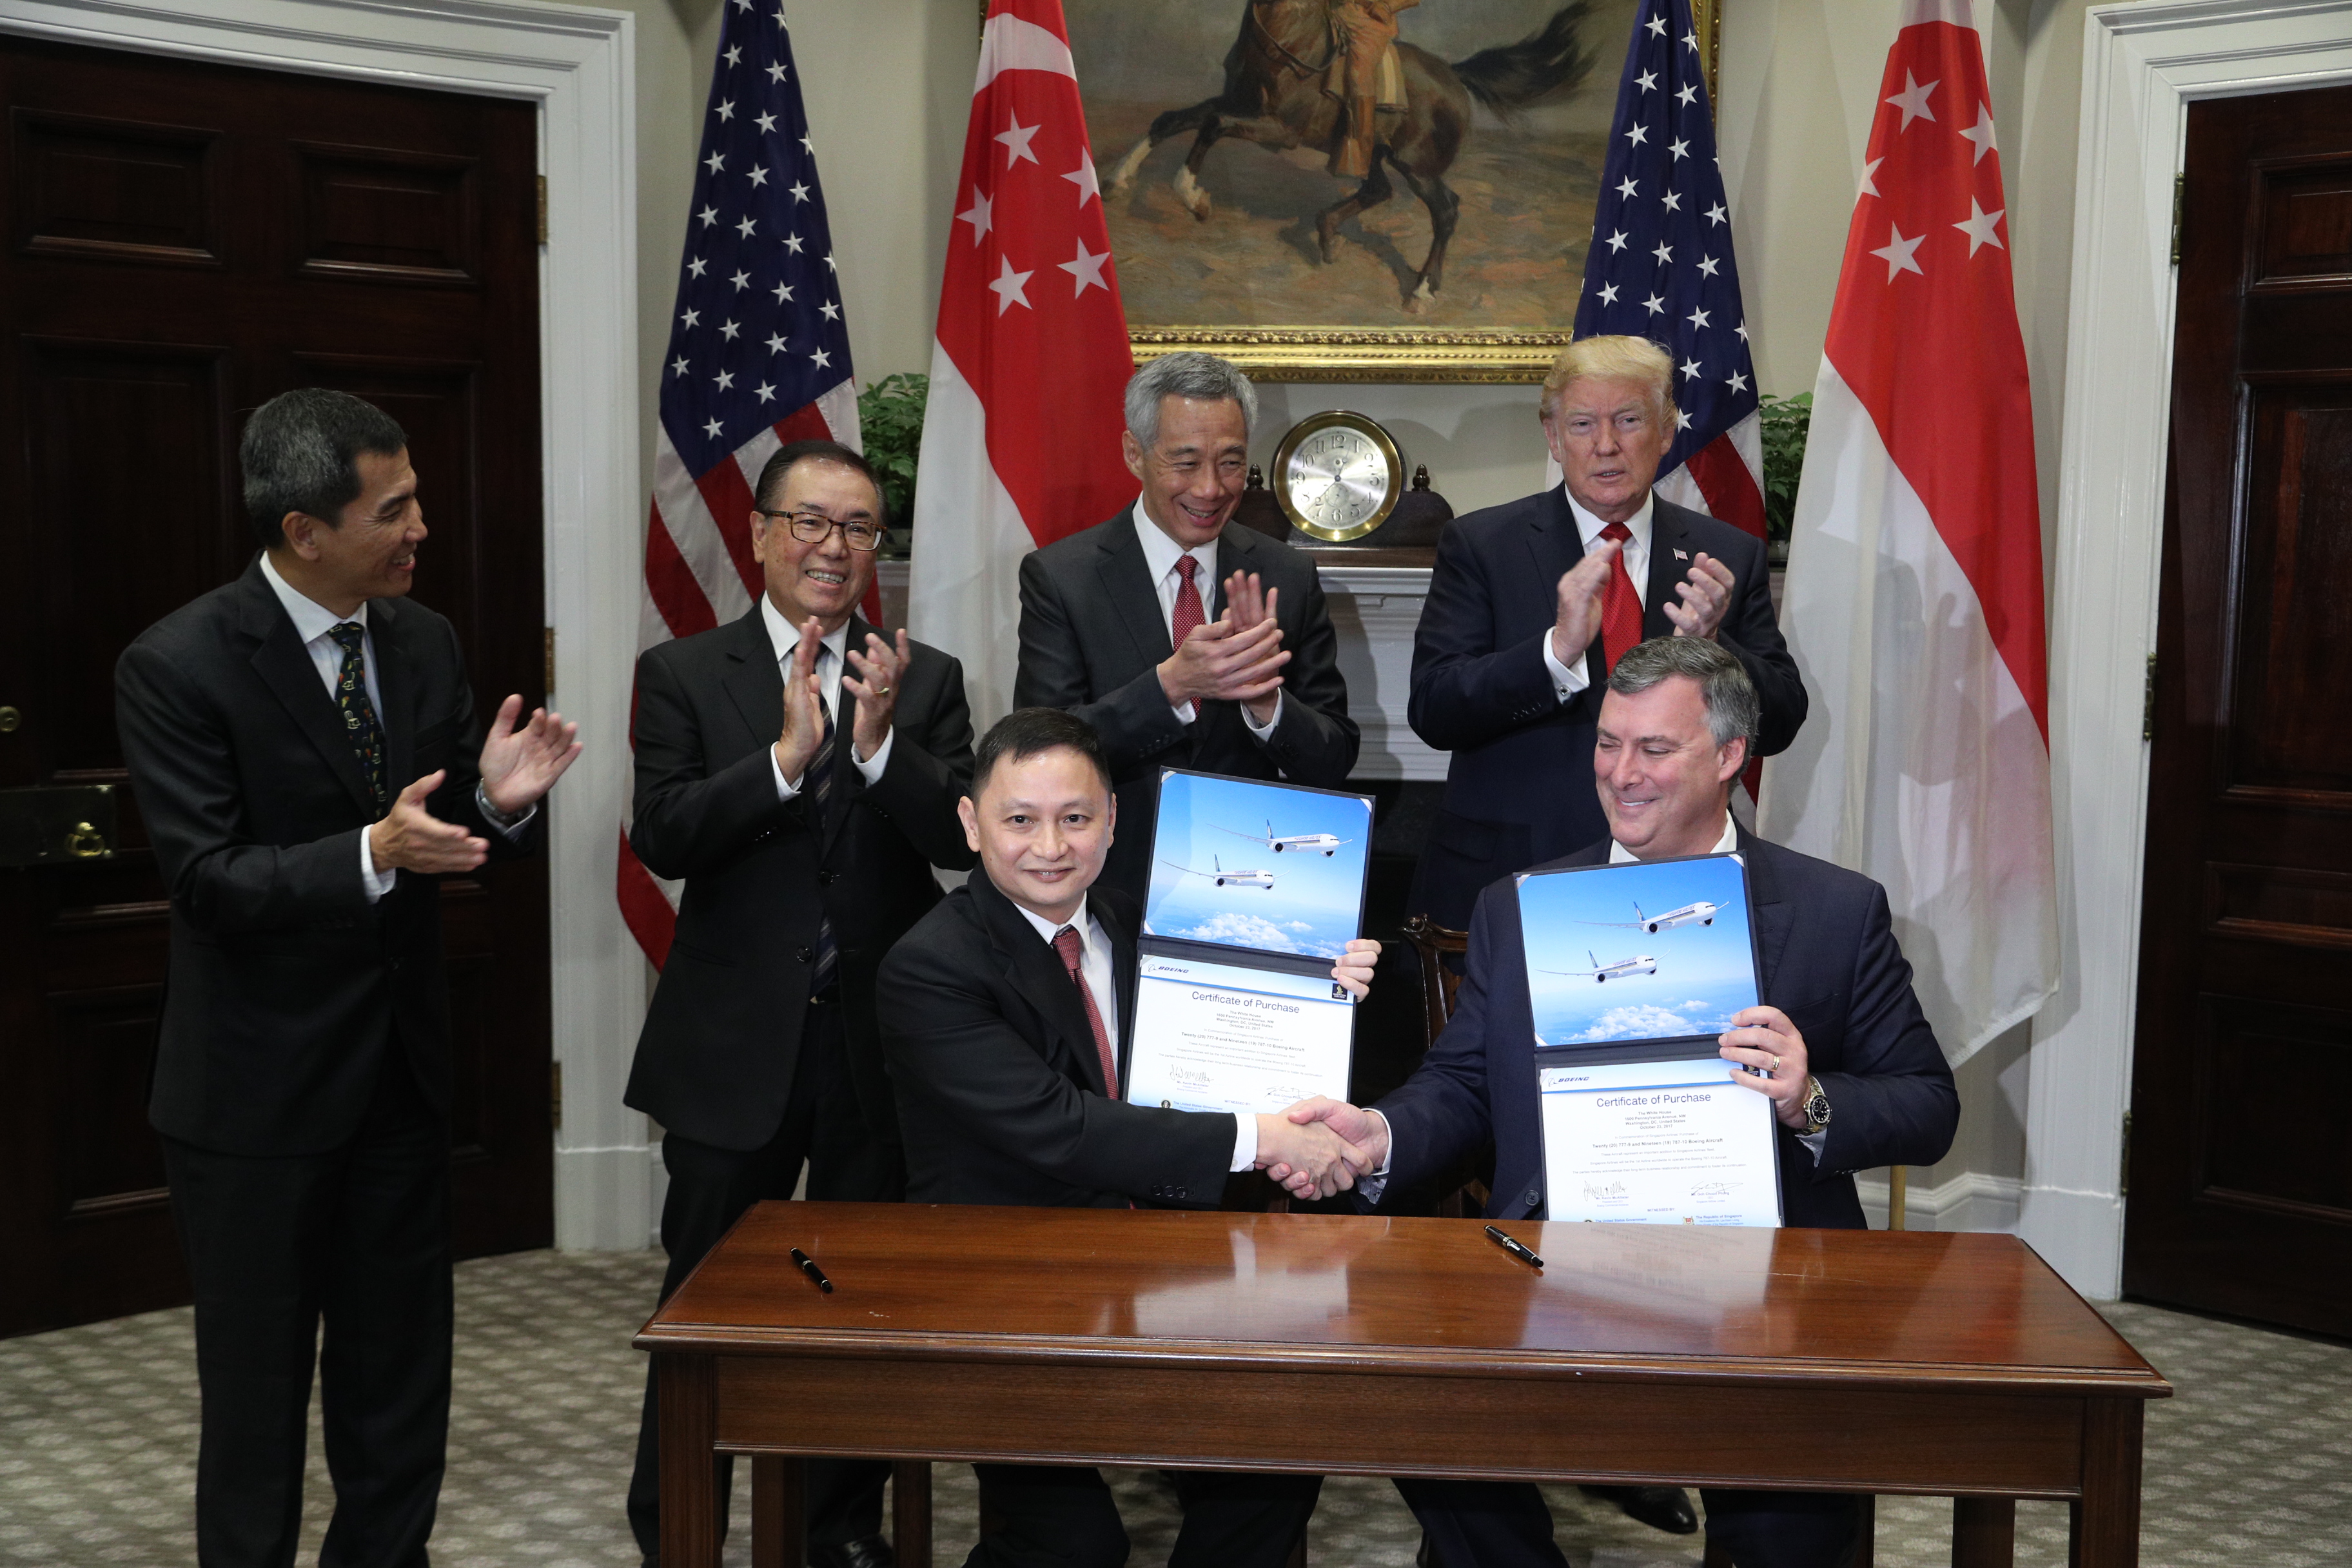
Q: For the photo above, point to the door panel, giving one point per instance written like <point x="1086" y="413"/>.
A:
<point x="2240" y="1179"/>
<point x="175" y="256"/>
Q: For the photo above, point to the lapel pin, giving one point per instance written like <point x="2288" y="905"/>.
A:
<point x="1682" y="554"/>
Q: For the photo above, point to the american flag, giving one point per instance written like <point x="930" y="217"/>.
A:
<point x="758" y="355"/>
<point x="1661" y="268"/>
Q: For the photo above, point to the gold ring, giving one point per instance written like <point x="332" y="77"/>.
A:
<point x="1775" y="1064"/>
<point x="881" y="691"/>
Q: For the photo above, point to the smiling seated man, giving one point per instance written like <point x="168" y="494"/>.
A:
<point x="1002" y="1015"/>
<point x="1856" y="1079"/>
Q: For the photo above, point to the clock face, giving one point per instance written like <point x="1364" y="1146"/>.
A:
<point x="1338" y="476"/>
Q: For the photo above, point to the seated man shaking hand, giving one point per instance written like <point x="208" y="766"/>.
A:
<point x="1002" y="1013"/>
<point x="1855" y="1077"/>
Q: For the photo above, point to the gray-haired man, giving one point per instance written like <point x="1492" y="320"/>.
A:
<point x="1183" y="642"/>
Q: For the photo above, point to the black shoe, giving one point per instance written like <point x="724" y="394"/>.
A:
<point x="865" y="1551"/>
<point x="1660" y="1508"/>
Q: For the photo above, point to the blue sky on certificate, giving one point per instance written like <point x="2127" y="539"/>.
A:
<point x="1577" y="921"/>
<point x="1282" y="895"/>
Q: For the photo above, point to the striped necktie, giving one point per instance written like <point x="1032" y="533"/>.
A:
<point x="360" y="723"/>
<point x="818" y="782"/>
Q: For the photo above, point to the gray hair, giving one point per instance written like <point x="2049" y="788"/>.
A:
<point x="1186" y="374"/>
<point x="1733" y="710"/>
<point x="300" y="453"/>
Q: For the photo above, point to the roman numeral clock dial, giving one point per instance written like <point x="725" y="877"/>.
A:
<point x="1338" y="476"/>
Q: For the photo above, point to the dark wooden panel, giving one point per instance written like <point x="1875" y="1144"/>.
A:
<point x="107" y="1154"/>
<point x="115" y="189"/>
<point x="2297" y="907"/>
<point x="126" y="496"/>
<point x="2254" y="1144"/>
<point x="2305" y="222"/>
<point x="388" y="217"/>
<point x="2294" y="623"/>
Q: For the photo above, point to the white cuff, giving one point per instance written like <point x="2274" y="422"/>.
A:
<point x="870" y="768"/>
<point x="1266" y="729"/>
<point x="507" y="827"/>
<point x="1813" y="1141"/>
<point x="785" y="790"/>
<point x="1244" y="1142"/>
<point x="1373" y="1183"/>
<point x="373" y="884"/>
<point x="1567" y="681"/>
<point x="1186" y="712"/>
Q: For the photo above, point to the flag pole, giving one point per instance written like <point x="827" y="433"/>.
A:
<point x="1898" y="1189"/>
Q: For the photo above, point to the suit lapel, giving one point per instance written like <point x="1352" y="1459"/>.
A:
<point x="1773" y="918"/>
<point x="285" y="666"/>
<point x="396" y="679"/>
<point x="1669" y="532"/>
<point x="1128" y="589"/>
<point x="1119" y="921"/>
<point x="1035" y="971"/>
<point x="754" y="680"/>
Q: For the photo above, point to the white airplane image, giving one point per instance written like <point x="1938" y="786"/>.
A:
<point x="1220" y="876"/>
<point x="1325" y="842"/>
<point x="1602" y="974"/>
<point x="1702" y="911"/>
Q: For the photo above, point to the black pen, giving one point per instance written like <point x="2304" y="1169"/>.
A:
<point x="809" y="1267"/>
<point x="1514" y="1248"/>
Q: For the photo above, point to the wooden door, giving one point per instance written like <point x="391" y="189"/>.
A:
<point x="182" y="242"/>
<point x="2240" y="1173"/>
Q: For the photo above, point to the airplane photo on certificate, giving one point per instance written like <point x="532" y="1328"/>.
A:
<point x="1271" y="868"/>
<point x="1654" y="950"/>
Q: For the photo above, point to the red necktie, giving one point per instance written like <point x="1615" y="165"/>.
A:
<point x="1620" y="608"/>
<point x="1065" y="943"/>
<point x="1189" y="616"/>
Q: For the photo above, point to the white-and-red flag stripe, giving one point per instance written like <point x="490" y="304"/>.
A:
<point x="758" y="355"/>
<point x="1021" y="433"/>
<point x="1914" y="602"/>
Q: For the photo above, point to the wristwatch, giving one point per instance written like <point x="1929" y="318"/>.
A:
<point x="1816" y="1107"/>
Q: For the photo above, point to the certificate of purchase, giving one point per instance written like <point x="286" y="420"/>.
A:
<point x="1660" y="1142"/>
<point x="1221" y="1037"/>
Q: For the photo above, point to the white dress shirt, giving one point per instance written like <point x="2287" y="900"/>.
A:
<point x="1568" y="679"/>
<point x="1618" y="854"/>
<point x="1160" y="554"/>
<point x="832" y="659"/>
<point x="1095" y="964"/>
<point x="312" y="622"/>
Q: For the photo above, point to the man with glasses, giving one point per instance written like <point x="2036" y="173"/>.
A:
<point x="799" y="773"/>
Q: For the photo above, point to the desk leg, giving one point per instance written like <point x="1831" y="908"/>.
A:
<point x="1984" y="1531"/>
<point x="910" y="1512"/>
<point x="778" y="1517"/>
<point x="2105" y="1523"/>
<point x="689" y="1483"/>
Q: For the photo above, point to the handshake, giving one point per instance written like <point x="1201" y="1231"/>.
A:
<point x="1322" y="1146"/>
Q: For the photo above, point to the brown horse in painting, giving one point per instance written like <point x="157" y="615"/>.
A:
<point x="1273" y="96"/>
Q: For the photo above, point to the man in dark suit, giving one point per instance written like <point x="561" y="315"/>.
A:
<point x="1855" y="1076"/>
<point x="306" y="757"/>
<point x="1532" y="602"/>
<point x="801" y="774"/>
<point x="1005" y="1015"/>
<point x="1185" y="643"/>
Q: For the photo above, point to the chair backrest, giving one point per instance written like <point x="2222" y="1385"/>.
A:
<point x="1439" y="981"/>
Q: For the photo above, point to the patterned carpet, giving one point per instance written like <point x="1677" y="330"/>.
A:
<point x="2249" y="1464"/>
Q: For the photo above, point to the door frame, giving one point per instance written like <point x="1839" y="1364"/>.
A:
<point x="579" y="65"/>
<point x="2143" y="65"/>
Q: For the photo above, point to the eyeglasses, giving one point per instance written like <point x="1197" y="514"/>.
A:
<point x="811" y="528"/>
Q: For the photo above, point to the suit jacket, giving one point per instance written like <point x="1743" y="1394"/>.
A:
<point x="720" y="1040"/>
<point x="1519" y="788"/>
<point x="1828" y="959"/>
<point x="1092" y="637"/>
<point x="287" y="986"/>
<point x="1000" y="1088"/>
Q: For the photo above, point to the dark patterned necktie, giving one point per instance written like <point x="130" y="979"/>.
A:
<point x="1187" y="616"/>
<point x="819" y="783"/>
<point x="359" y="714"/>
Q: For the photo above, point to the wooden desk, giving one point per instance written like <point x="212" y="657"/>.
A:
<point x="1824" y="1359"/>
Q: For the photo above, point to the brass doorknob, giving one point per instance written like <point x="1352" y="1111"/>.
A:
<point x="9" y="719"/>
<point x="84" y="842"/>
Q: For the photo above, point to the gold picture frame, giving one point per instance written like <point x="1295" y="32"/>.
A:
<point x="1385" y="352"/>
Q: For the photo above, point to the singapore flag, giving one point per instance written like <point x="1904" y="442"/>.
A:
<point x="1913" y="601"/>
